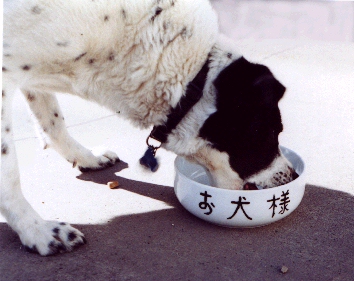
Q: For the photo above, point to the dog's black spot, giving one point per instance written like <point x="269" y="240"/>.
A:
<point x="229" y="55"/>
<point x="52" y="122"/>
<point x="4" y="69"/>
<point x="184" y="33"/>
<point x="157" y="12"/>
<point x="111" y="57"/>
<point x="56" y="114"/>
<point x="56" y="248"/>
<point x="32" y="249"/>
<point x="80" y="56"/>
<point x="294" y="175"/>
<point x="72" y="236"/>
<point x="45" y="129"/>
<point x="57" y="238"/>
<point x="26" y="67"/>
<point x="247" y="122"/>
<point x="4" y="149"/>
<point x="56" y="230"/>
<point x="36" y="10"/>
<point x="30" y="97"/>
<point x="62" y="223"/>
<point x="7" y="129"/>
<point x="124" y="14"/>
<point x="63" y="44"/>
<point x="91" y="61"/>
<point x="3" y="93"/>
<point x="106" y="18"/>
<point x="165" y="25"/>
<point x="7" y="55"/>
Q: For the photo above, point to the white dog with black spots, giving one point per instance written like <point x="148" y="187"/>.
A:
<point x="136" y="58"/>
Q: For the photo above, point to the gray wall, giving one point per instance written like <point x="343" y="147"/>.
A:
<point x="316" y="20"/>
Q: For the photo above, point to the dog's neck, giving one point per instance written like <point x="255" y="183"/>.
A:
<point x="193" y="94"/>
<point x="220" y="56"/>
<point x="184" y="139"/>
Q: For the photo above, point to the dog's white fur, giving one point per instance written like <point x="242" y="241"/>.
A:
<point x="133" y="57"/>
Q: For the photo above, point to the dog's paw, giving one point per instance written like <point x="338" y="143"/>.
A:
<point x="51" y="237"/>
<point x="100" y="159"/>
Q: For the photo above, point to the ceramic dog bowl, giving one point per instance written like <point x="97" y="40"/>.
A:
<point x="237" y="208"/>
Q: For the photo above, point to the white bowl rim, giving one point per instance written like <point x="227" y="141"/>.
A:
<point x="241" y="190"/>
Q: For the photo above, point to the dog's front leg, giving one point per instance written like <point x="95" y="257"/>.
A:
<point x="54" y="134"/>
<point x="36" y="234"/>
<point x="219" y="166"/>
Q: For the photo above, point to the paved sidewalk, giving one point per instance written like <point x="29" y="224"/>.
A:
<point x="314" y="243"/>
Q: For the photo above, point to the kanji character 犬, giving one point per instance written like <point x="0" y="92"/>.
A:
<point x="240" y="204"/>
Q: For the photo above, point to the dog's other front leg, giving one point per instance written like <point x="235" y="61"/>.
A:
<point x="54" y="134"/>
<point x="219" y="166"/>
<point x="36" y="234"/>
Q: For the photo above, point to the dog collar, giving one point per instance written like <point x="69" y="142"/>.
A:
<point x="193" y="94"/>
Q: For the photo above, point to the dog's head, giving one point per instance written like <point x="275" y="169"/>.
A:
<point x="243" y="132"/>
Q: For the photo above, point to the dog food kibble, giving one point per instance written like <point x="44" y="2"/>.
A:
<point x="113" y="184"/>
<point x="284" y="269"/>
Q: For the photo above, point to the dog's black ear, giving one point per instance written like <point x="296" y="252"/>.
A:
<point x="269" y="90"/>
<point x="243" y="83"/>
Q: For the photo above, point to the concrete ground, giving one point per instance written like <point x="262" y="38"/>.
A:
<point x="141" y="232"/>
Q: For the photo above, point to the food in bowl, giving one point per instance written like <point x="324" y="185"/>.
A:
<point x="194" y="188"/>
